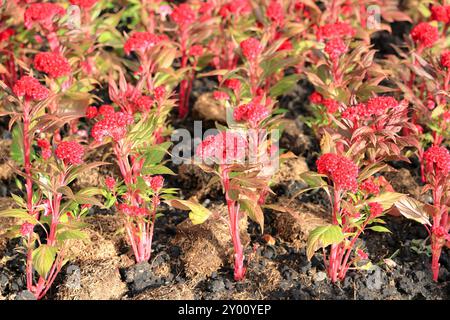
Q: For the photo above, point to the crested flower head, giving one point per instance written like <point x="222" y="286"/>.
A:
<point x="143" y="103"/>
<point x="335" y="30"/>
<point x="91" y="112"/>
<point x="341" y="170"/>
<point x="30" y="88"/>
<point x="110" y="183"/>
<point x="71" y="152"/>
<point x="440" y="13"/>
<point x="196" y="51"/>
<point x="141" y="42"/>
<point x="52" y="63"/>
<point x="223" y="148"/>
<point x="375" y="209"/>
<point x="112" y="125"/>
<point x="437" y="157"/>
<point x="335" y="48"/>
<point x="445" y="59"/>
<point x="275" y="12"/>
<point x="251" y="48"/>
<point x="85" y="4"/>
<point x="183" y="15"/>
<point x="253" y="113"/>
<point x="425" y="35"/>
<point x="43" y="14"/>
<point x="379" y="105"/>
<point x="331" y="105"/>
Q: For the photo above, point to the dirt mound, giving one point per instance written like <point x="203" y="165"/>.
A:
<point x="208" y="108"/>
<point x="181" y="291"/>
<point x="207" y="247"/>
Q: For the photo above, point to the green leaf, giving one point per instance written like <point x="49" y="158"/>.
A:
<point x="43" y="258"/>
<point x="198" y="214"/>
<point x="155" y="154"/>
<point x="159" y="169"/>
<point x="16" y="151"/>
<point x="71" y="234"/>
<point x="322" y="237"/>
<point x="19" y="214"/>
<point x="285" y="85"/>
<point x="379" y="229"/>
<point x="254" y="212"/>
<point x="313" y="179"/>
<point x="387" y="199"/>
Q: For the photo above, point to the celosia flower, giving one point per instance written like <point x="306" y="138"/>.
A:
<point x="370" y="187"/>
<point x="113" y="125"/>
<point x="335" y="30"/>
<point x="220" y="95"/>
<point x="235" y="7"/>
<point x="335" y="48"/>
<point x="26" y="229"/>
<point x="46" y="151"/>
<point x="143" y="103"/>
<point x="43" y="14"/>
<point x="253" y="113"/>
<point x="159" y="92"/>
<point x="6" y="34"/>
<point x="141" y="42"/>
<point x="233" y="84"/>
<point x="375" y="209"/>
<point x="110" y="183"/>
<point x="91" y="112"/>
<point x="331" y="105"/>
<point x="275" y="12"/>
<point x="355" y="113"/>
<point x="53" y="64"/>
<point x="30" y="88"/>
<point x="437" y="158"/>
<point x="378" y="105"/>
<point x="251" y="48"/>
<point x="196" y="50"/>
<point x="183" y="16"/>
<point x="440" y="13"/>
<point x="425" y="35"/>
<point x="223" y="148"/>
<point x="446" y="117"/>
<point x="133" y="211"/>
<point x="315" y="98"/>
<point x="71" y="152"/>
<point x="155" y="183"/>
<point x="106" y="109"/>
<point x="86" y="4"/>
<point x="341" y="170"/>
<point x="445" y="59"/>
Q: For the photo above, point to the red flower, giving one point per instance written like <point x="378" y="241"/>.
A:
<point x="341" y="170"/>
<point x="440" y="13"/>
<point x="370" y="187"/>
<point x="106" y="109"/>
<point x="183" y="16"/>
<point x="26" y="229"/>
<point x="70" y="152"/>
<point x="355" y="113"/>
<point x="220" y="95"/>
<point x="331" y="105"/>
<point x="43" y="14"/>
<point x="335" y="30"/>
<point x="110" y="183"/>
<point x="141" y="42"/>
<point x="144" y="103"/>
<point x="6" y="34"/>
<point x="113" y="125"/>
<point x="253" y="113"/>
<point x="424" y="34"/>
<point x="275" y="12"/>
<point x="335" y="47"/>
<point x="439" y="157"/>
<point x="86" y="4"/>
<point x="445" y="59"/>
<point x="233" y="84"/>
<point x="196" y="51"/>
<point x="91" y="112"/>
<point x="375" y="209"/>
<point x="223" y="148"/>
<point x="155" y="183"/>
<point x="30" y="88"/>
<point x="251" y="48"/>
<point x="159" y="92"/>
<point x="133" y="211"/>
<point x="235" y="7"/>
<point x="46" y="151"/>
<point x="53" y="64"/>
<point x="315" y="98"/>
<point x="362" y="254"/>
<point x="378" y="105"/>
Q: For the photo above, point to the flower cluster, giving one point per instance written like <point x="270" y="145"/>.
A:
<point x="223" y="148"/>
<point x="445" y="59"/>
<point x="375" y="209"/>
<point x="155" y="183"/>
<point x="52" y="63"/>
<point x="341" y="170"/>
<point x="43" y="14"/>
<point x="374" y="107"/>
<point x="439" y="157"/>
<point x="251" y="48"/>
<point x="275" y="12"/>
<point x="335" y="30"/>
<point x="335" y="47"/>
<point x="30" y="88"/>
<point x="46" y="151"/>
<point x="425" y="35"/>
<point x="91" y="112"/>
<point x="253" y="113"/>
<point x="85" y="4"/>
<point x="113" y="124"/>
<point x="141" y="42"/>
<point x="143" y="103"/>
<point x="440" y="13"/>
<point x="331" y="105"/>
<point x="370" y="187"/>
<point x="6" y="34"/>
<point x="183" y="15"/>
<point x="235" y="7"/>
<point x="71" y="152"/>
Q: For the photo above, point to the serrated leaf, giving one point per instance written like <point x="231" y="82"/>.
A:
<point x="322" y="237"/>
<point x="43" y="258"/>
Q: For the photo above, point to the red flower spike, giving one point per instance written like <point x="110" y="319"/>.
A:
<point x="445" y="59"/>
<point x="223" y="148"/>
<point x="439" y="157"/>
<point x="425" y="35"/>
<point x="30" y="88"/>
<point x="144" y="103"/>
<point x="251" y="48"/>
<point x="440" y="13"/>
<point x="110" y="183"/>
<point x="141" y="42"/>
<point x="335" y="30"/>
<point x="253" y="113"/>
<point x="43" y="14"/>
<point x="341" y="170"/>
<point x="70" y="152"/>
<point x="196" y="51"/>
<point x="331" y="105"/>
<point x="91" y="112"/>
<point x="113" y="125"/>
<point x="335" y="48"/>
<point x="315" y="98"/>
<point x="53" y="64"/>
<point x="183" y="15"/>
<point x="275" y="12"/>
<point x="375" y="209"/>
